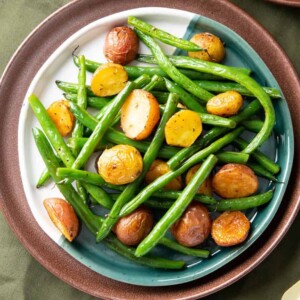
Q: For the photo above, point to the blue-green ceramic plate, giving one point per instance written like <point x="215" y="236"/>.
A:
<point x="59" y="66"/>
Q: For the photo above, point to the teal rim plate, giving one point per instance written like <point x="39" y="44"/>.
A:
<point x="59" y="66"/>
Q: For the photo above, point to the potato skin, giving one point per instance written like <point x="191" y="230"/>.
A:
<point x="159" y="168"/>
<point x="140" y="114"/>
<point x="121" y="45"/>
<point x="230" y="228"/>
<point x="214" y="47"/>
<point x="194" y="226"/>
<point x="120" y="164"/>
<point x="235" y="181"/>
<point x="61" y="116"/>
<point x="225" y="104"/>
<point x="206" y="186"/>
<point x="63" y="216"/>
<point x="133" y="228"/>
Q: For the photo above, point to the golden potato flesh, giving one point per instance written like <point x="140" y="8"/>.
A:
<point x="159" y="168"/>
<point x="193" y="227"/>
<point x="120" y="164"/>
<point x="108" y="80"/>
<point x="61" y="116"/>
<point x="139" y="114"/>
<point x="213" y="48"/>
<point x="225" y="104"/>
<point x="133" y="228"/>
<point x="121" y="45"/>
<point x="230" y="228"/>
<point x="183" y="128"/>
<point x="63" y="216"/>
<point x="235" y="181"/>
<point x="206" y="186"/>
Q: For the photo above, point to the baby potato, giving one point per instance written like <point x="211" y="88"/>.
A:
<point x="206" y="187"/>
<point x="230" y="228"/>
<point x="61" y="116"/>
<point x="159" y="168"/>
<point x="139" y="114"/>
<point x="63" y="216"/>
<point x="108" y="80"/>
<point x="121" y="45"/>
<point x="183" y="128"/>
<point x="225" y="104"/>
<point x="120" y="164"/>
<point x="133" y="228"/>
<point x="235" y="181"/>
<point x="213" y="47"/>
<point x="193" y="227"/>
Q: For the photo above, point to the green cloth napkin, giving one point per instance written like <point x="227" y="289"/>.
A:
<point x="22" y="277"/>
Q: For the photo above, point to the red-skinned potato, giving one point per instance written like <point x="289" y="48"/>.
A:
<point x="213" y="47"/>
<point x="120" y="164"/>
<point x="61" y="116"/>
<point x="133" y="228"/>
<point x="230" y="228"/>
<point x="235" y="181"/>
<point x="63" y="216"/>
<point x="121" y="45"/>
<point x="193" y="227"/>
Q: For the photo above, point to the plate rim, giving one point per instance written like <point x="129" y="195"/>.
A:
<point x="7" y="213"/>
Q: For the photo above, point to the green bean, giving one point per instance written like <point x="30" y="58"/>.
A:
<point x="243" y="79"/>
<point x="220" y="87"/>
<point x="258" y="156"/>
<point x="161" y="97"/>
<point x="261" y="171"/>
<point x="232" y="157"/>
<point x="72" y="88"/>
<point x="189" y="100"/>
<point x="137" y="71"/>
<point x="160" y="182"/>
<point x="60" y="146"/>
<point x="148" y="158"/>
<point x="243" y="203"/>
<point x="177" y="209"/>
<point x="151" y="59"/>
<point x="91" y="221"/>
<point x="155" y="80"/>
<point x="79" y="142"/>
<point x="185" y="250"/>
<point x="161" y="35"/>
<point x="253" y="125"/>
<point x="94" y="102"/>
<point x="43" y="179"/>
<point x="77" y="131"/>
<point x="172" y="71"/>
<point x="216" y="120"/>
<point x="102" y="126"/>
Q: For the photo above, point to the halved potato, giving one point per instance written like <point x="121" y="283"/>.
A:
<point x="120" y="164"/>
<point x="139" y="114"/>
<point x="225" y="104"/>
<point x="63" y="216"/>
<point x="213" y="47"/>
<point x="183" y="128"/>
<point x="206" y="187"/>
<point x="230" y="228"/>
<point x="159" y="168"/>
<point x="61" y="116"/>
<point x="235" y="181"/>
<point x="109" y="79"/>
